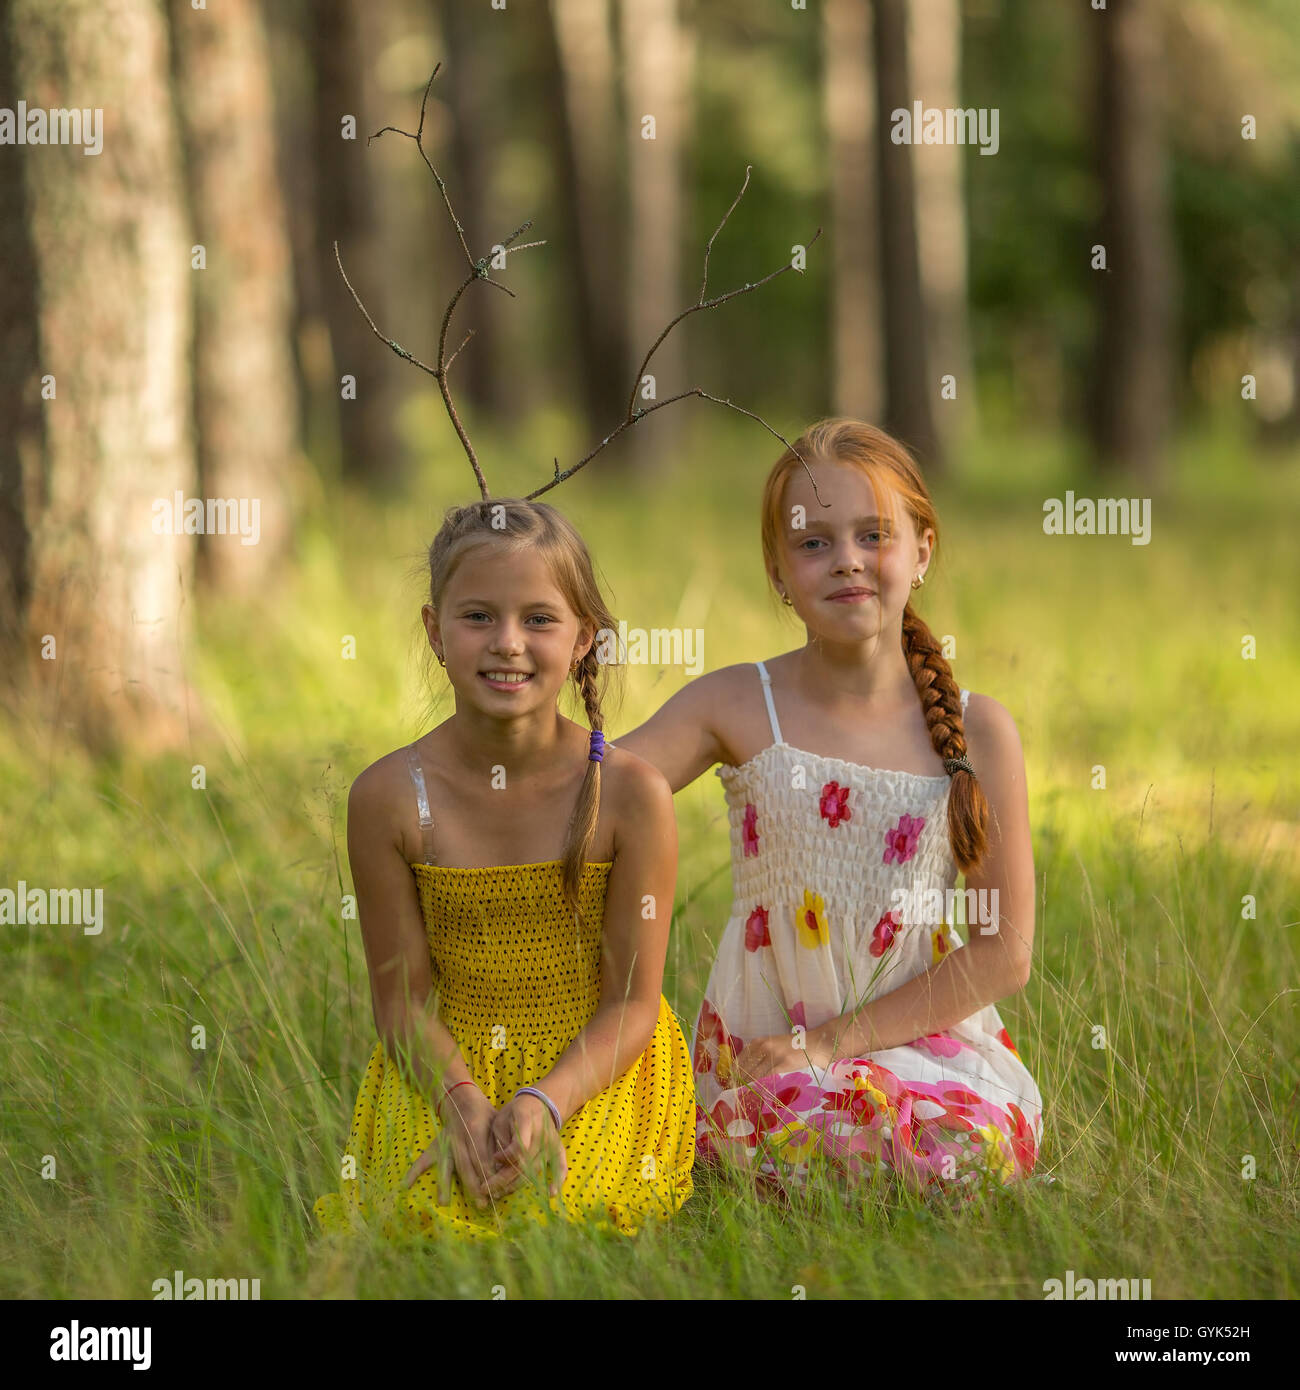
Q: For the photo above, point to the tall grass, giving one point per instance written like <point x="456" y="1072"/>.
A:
<point x="224" y="911"/>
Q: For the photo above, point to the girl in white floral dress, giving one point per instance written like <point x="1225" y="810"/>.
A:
<point x="845" y="1025"/>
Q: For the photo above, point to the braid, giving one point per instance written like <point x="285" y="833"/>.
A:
<point x="582" y="824"/>
<point x="968" y="807"/>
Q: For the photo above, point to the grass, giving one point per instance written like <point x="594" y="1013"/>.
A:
<point x="223" y="911"/>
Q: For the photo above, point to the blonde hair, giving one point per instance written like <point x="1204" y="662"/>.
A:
<point x="890" y="468"/>
<point x="516" y="525"/>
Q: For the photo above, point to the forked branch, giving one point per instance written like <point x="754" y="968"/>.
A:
<point x="477" y="270"/>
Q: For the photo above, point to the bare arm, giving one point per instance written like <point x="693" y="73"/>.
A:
<point x="989" y="967"/>
<point x="638" y="913"/>
<point x="397" y="952"/>
<point x="681" y="739"/>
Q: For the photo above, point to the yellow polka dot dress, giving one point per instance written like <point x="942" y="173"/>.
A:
<point x="517" y="979"/>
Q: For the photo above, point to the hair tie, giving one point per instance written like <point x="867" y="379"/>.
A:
<point x="597" y="753"/>
<point x="951" y="765"/>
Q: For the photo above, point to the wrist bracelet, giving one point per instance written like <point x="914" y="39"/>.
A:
<point x="437" y="1108"/>
<point x="545" y="1099"/>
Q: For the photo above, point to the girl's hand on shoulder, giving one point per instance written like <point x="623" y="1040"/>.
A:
<point x="526" y="1144"/>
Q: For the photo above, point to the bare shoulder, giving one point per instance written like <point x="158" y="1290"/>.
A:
<point x="992" y="737"/>
<point x="375" y="793"/>
<point x="632" y="785"/>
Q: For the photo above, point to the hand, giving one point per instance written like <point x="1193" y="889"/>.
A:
<point x="779" y="1053"/>
<point x="463" y="1144"/>
<point x="526" y="1143"/>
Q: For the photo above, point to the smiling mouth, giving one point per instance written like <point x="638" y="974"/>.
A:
<point x="851" y="593"/>
<point x="506" y="680"/>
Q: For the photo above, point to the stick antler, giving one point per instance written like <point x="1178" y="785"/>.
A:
<point x="478" y="271"/>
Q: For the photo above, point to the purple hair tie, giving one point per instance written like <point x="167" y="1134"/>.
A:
<point x="597" y="753"/>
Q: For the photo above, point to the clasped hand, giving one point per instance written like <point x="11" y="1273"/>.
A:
<point x="781" y="1052"/>
<point x="492" y="1151"/>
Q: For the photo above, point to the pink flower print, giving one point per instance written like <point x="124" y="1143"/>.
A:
<point x="749" y="831"/>
<point x="835" y="804"/>
<point x="756" y="932"/>
<point x="882" y="938"/>
<point x="900" y="842"/>
<point x="939" y="1045"/>
<point x="797" y="1014"/>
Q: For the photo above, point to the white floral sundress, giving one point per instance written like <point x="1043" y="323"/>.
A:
<point x="819" y="849"/>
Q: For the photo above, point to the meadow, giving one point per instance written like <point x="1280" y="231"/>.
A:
<point x="1168" y="903"/>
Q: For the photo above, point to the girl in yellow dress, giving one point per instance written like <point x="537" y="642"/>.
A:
<point x="514" y="882"/>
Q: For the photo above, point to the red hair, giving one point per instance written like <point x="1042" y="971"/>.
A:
<point x="890" y="469"/>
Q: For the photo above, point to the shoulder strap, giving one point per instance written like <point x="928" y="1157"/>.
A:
<point x="965" y="695"/>
<point x="421" y="800"/>
<point x="771" y="708"/>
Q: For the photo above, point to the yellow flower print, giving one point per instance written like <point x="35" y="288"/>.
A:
<point x="940" y="944"/>
<point x="726" y="1059"/>
<point x="997" y="1157"/>
<point x="878" y="1098"/>
<point x="810" y="921"/>
<point x="795" y="1143"/>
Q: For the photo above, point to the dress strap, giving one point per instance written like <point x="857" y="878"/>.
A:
<point x="965" y="695"/>
<point x="421" y="800"/>
<point x="771" y="708"/>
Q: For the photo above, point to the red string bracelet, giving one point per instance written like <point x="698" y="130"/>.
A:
<point x="446" y="1093"/>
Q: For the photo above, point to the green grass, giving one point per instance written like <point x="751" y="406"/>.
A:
<point x="224" y="908"/>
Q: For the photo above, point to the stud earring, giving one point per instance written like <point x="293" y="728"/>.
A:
<point x="918" y="581"/>
<point x="441" y="662"/>
<point x="785" y="598"/>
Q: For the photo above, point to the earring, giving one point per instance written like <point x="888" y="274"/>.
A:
<point x="918" y="581"/>
<point x="441" y="662"/>
<point x="785" y="598"/>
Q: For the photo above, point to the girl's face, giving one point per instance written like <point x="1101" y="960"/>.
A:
<point x="505" y="631"/>
<point x="847" y="568"/>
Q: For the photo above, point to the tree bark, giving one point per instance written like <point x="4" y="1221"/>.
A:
<point x="850" y="111"/>
<point x="346" y="201"/>
<point x="245" y="386"/>
<point x="1133" y="371"/>
<point x="109" y="593"/>
<point x="655" y="77"/>
<point x="907" y="373"/>
<point x="934" y="43"/>
<point x="582" y="63"/>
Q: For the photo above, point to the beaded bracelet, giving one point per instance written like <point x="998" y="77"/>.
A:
<point x="544" y="1098"/>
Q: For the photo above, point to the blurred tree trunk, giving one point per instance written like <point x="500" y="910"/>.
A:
<point x="850" y="113"/>
<point x="907" y="372"/>
<point x="113" y="296"/>
<point x="346" y="201"/>
<point x="934" y="42"/>
<point x="22" y="440"/>
<point x="1133" y="371"/>
<point x="653" y="51"/>
<point x="245" y="386"/>
<point x="581" y="64"/>
<point x="470" y="83"/>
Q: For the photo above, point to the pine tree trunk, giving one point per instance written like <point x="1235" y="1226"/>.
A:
<point x="907" y="373"/>
<point x="934" y="43"/>
<point x="1133" y="373"/>
<point x="109" y="594"/>
<point x="856" y="312"/>
<point x="246" y="409"/>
